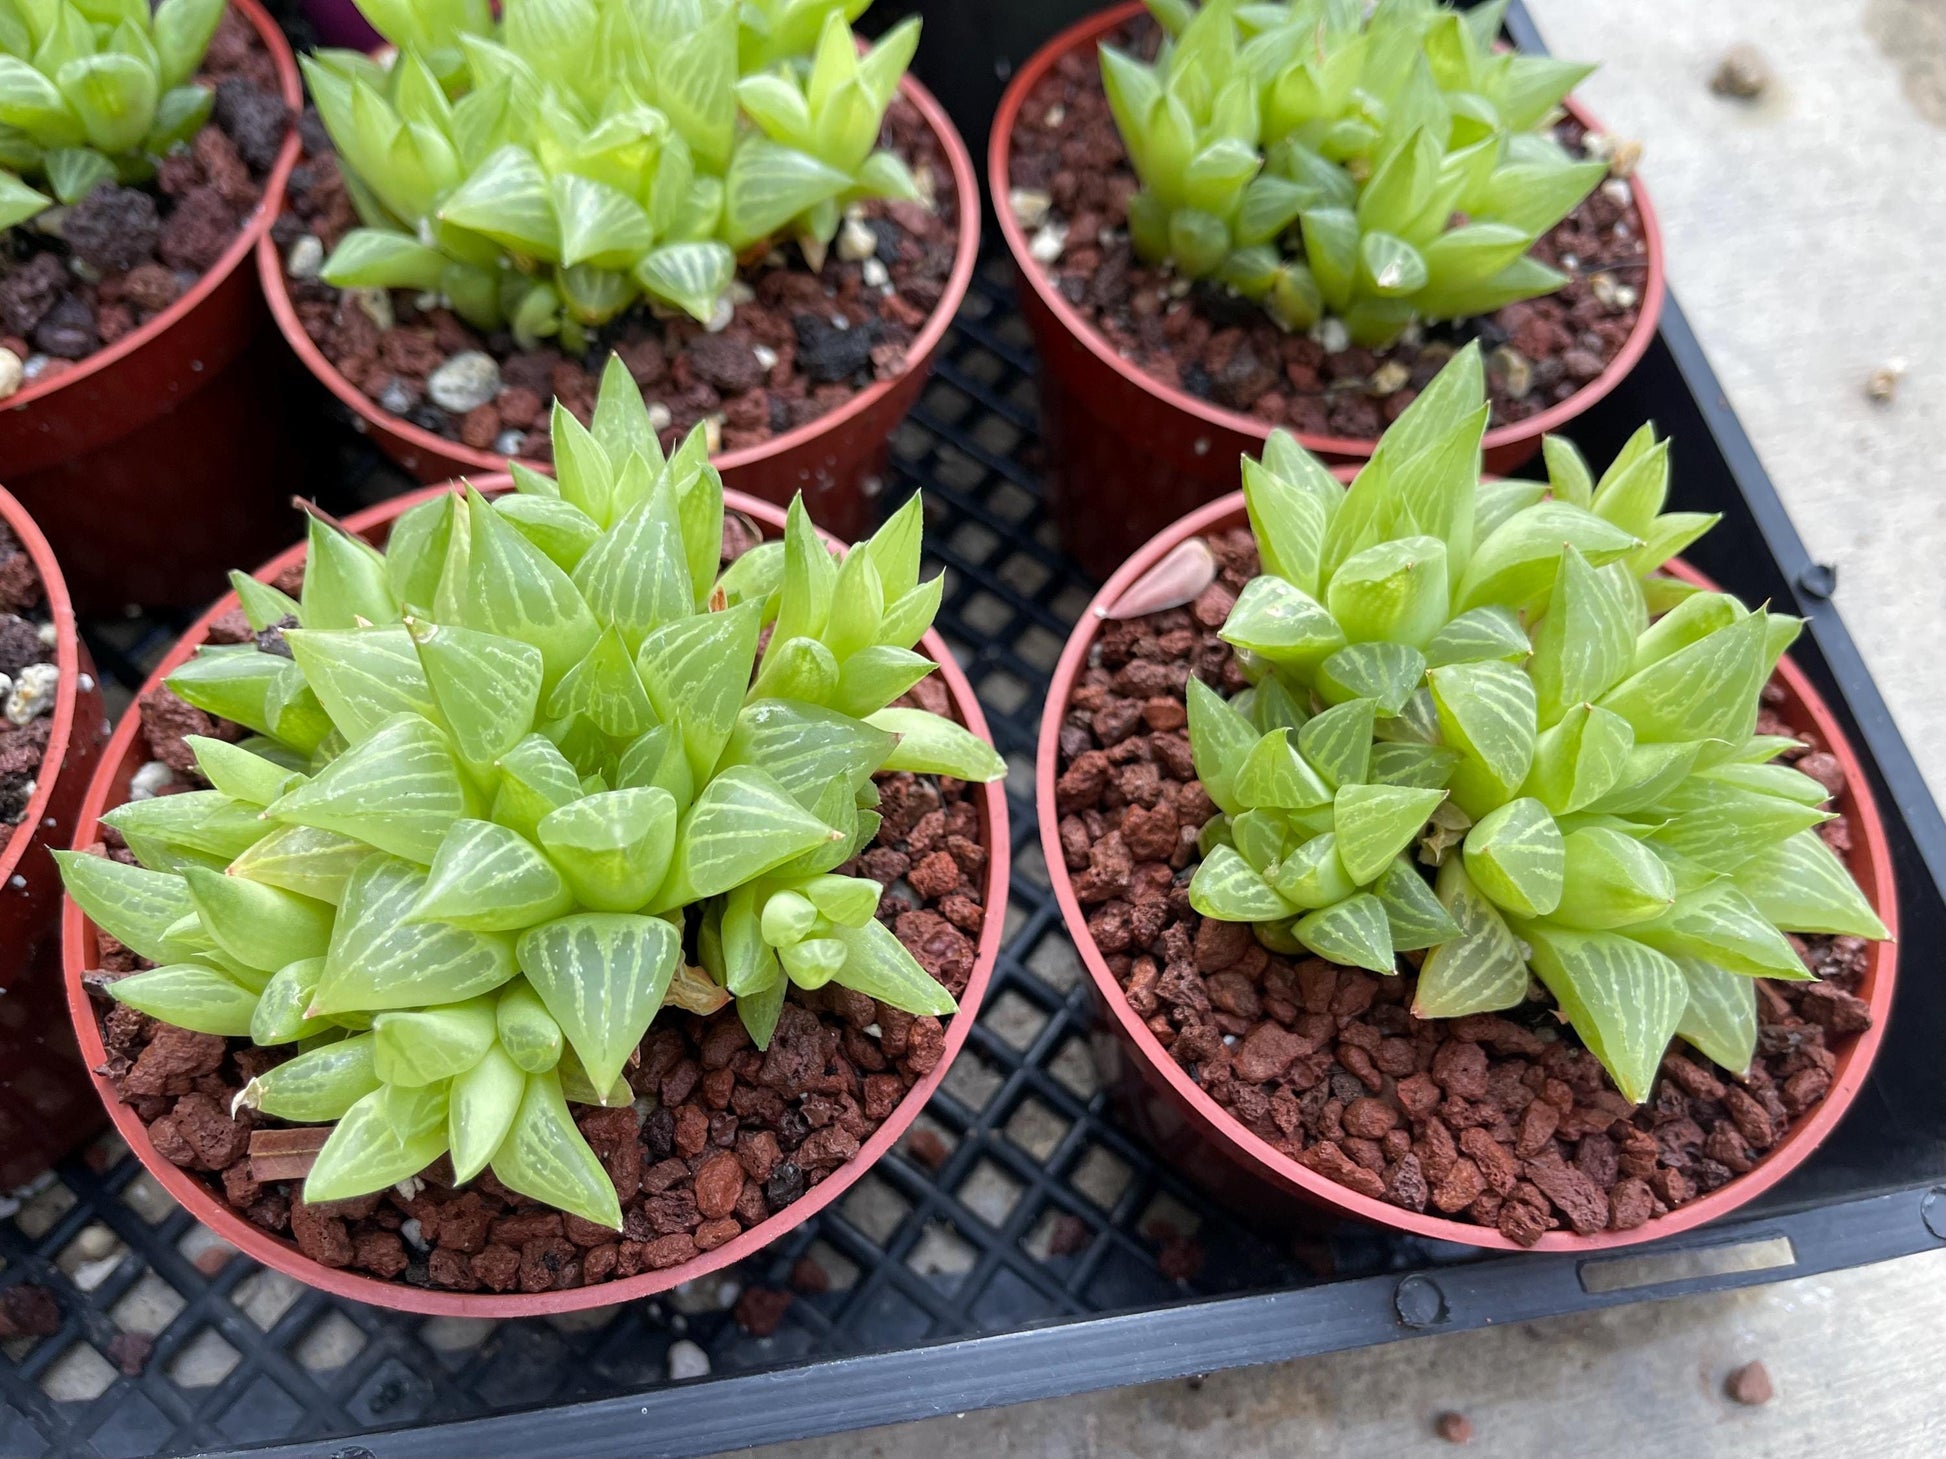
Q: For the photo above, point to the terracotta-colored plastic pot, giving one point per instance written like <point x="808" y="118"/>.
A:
<point x="109" y="788"/>
<point x="1205" y="1141"/>
<point x="46" y="1106"/>
<point x="150" y="464"/>
<point x="1127" y="454"/>
<point x="838" y="461"/>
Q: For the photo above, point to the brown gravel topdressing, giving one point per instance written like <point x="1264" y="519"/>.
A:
<point x="1224" y="349"/>
<point x="1503" y="1120"/>
<point x="802" y="344"/>
<point x="26" y="638"/>
<point x="146" y="246"/>
<point x="720" y="1138"/>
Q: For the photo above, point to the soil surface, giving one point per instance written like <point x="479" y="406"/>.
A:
<point x="720" y="1137"/>
<point x="1503" y="1120"/>
<point x="1225" y="349"/>
<point x="122" y="255"/>
<point x="800" y="343"/>
<point x="26" y="643"/>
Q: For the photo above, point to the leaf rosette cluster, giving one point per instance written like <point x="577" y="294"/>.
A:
<point x="1377" y="167"/>
<point x="546" y="170"/>
<point x="95" y="91"/>
<point x="1496" y="674"/>
<point x="517" y="783"/>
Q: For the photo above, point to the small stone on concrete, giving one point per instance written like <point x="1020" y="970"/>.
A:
<point x="1742" y="73"/>
<point x="1454" y="1428"/>
<point x="1748" y="1385"/>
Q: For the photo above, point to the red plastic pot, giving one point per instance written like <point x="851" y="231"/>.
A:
<point x="109" y="787"/>
<point x="838" y="461"/>
<point x="46" y="1106"/>
<point x="1205" y="1141"/>
<point x="1128" y="454"/>
<point x="150" y="465"/>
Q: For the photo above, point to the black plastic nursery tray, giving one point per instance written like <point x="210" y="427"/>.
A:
<point x="1047" y="1255"/>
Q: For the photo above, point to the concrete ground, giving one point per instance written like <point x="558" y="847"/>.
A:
<point x="1804" y="232"/>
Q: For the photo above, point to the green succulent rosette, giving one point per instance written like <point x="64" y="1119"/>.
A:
<point x="1493" y="679"/>
<point x="1378" y="164"/>
<point x="501" y="775"/>
<point x="547" y="169"/>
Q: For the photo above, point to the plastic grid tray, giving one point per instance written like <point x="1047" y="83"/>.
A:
<point x="1045" y="1217"/>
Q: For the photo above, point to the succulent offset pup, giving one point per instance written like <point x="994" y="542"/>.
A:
<point x="1495" y="673"/>
<point x="548" y="170"/>
<point x="1377" y="168"/>
<point x="95" y="92"/>
<point x="500" y="775"/>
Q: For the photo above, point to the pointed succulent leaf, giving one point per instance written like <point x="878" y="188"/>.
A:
<point x="1699" y="692"/>
<point x="603" y="977"/>
<point x="488" y="878"/>
<point x="1481" y="969"/>
<point x="930" y="744"/>
<point x="363" y="676"/>
<point x="1612" y="880"/>
<point x="132" y="904"/>
<point x="1623" y="998"/>
<point x="1274" y="774"/>
<point x="1220" y="739"/>
<point x="260" y="926"/>
<point x="1338" y="743"/>
<point x="1800" y="885"/>
<point x="1486" y="712"/>
<point x="498" y="582"/>
<point x="344" y="581"/>
<point x="1228" y="889"/>
<point x="424" y="1046"/>
<point x="189" y="996"/>
<point x="1724" y="829"/>
<point x="1581" y="759"/>
<point x="240" y="773"/>
<point x="1479" y="634"/>
<point x="696" y="670"/>
<point x="526" y="1030"/>
<point x="1424" y="767"/>
<point x="304" y="860"/>
<point x="391" y="1133"/>
<point x="1721" y="925"/>
<point x="482" y="1105"/>
<point x="487" y="687"/>
<point x="1313" y="875"/>
<point x="742" y="825"/>
<point x="1515" y="566"/>
<point x="1516" y="856"/>
<point x="535" y="779"/>
<point x="1412" y="909"/>
<point x="199" y="824"/>
<point x="544" y="1156"/>
<point x="319" y="1084"/>
<point x="279" y="1014"/>
<point x="878" y="965"/>
<point x="399" y="790"/>
<point x="1282" y="623"/>
<point x="377" y="960"/>
<point x="1374" y="823"/>
<point x="1388" y="674"/>
<point x="1354" y="933"/>
<point x="1720" y="1019"/>
<point x="613" y="847"/>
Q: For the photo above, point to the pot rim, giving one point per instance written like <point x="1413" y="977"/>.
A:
<point x="282" y="1254"/>
<point x="999" y="169"/>
<point x="270" y="269"/>
<point x="253" y="228"/>
<point x="1871" y="863"/>
<point x="68" y="659"/>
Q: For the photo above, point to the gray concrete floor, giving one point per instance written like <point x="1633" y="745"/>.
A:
<point x="1805" y="238"/>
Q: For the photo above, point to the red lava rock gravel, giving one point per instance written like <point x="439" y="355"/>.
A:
<point x="1226" y="350"/>
<point x="1454" y="1428"/>
<point x="803" y="345"/>
<point x="1748" y="1385"/>
<point x="1503" y="1120"/>
<point x="721" y="1136"/>
<point x="145" y="246"/>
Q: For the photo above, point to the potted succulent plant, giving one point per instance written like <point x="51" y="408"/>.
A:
<point x="1477" y="726"/>
<point x="534" y="930"/>
<point x="1289" y="217"/>
<point x="51" y="732"/>
<point x="770" y="223"/>
<point x="141" y="156"/>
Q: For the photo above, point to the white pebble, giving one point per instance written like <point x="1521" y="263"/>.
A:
<point x="713" y="433"/>
<point x="150" y="781"/>
<point x="875" y="274"/>
<point x="740" y="293"/>
<point x="1047" y="243"/>
<point x="49" y="636"/>
<point x="95" y="1242"/>
<point x="306" y="258"/>
<point x="508" y="443"/>
<point x="1618" y="192"/>
<point x="465" y="382"/>
<point x="413" y="1234"/>
<point x="856" y="242"/>
<point x="1390" y="378"/>
<point x="686" y="1360"/>
<point x="721" y="315"/>
<point x="1056" y="114"/>
<point x="12" y="373"/>
<point x="33" y="692"/>
<point x="91" y="1274"/>
<point x="1332" y="334"/>
<point x="34" y="364"/>
<point x="766" y="356"/>
<point x="659" y="417"/>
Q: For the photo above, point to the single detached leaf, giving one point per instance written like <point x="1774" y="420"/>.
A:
<point x="603" y="977"/>
<point x="545" y="1156"/>
<point x="1624" y="999"/>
